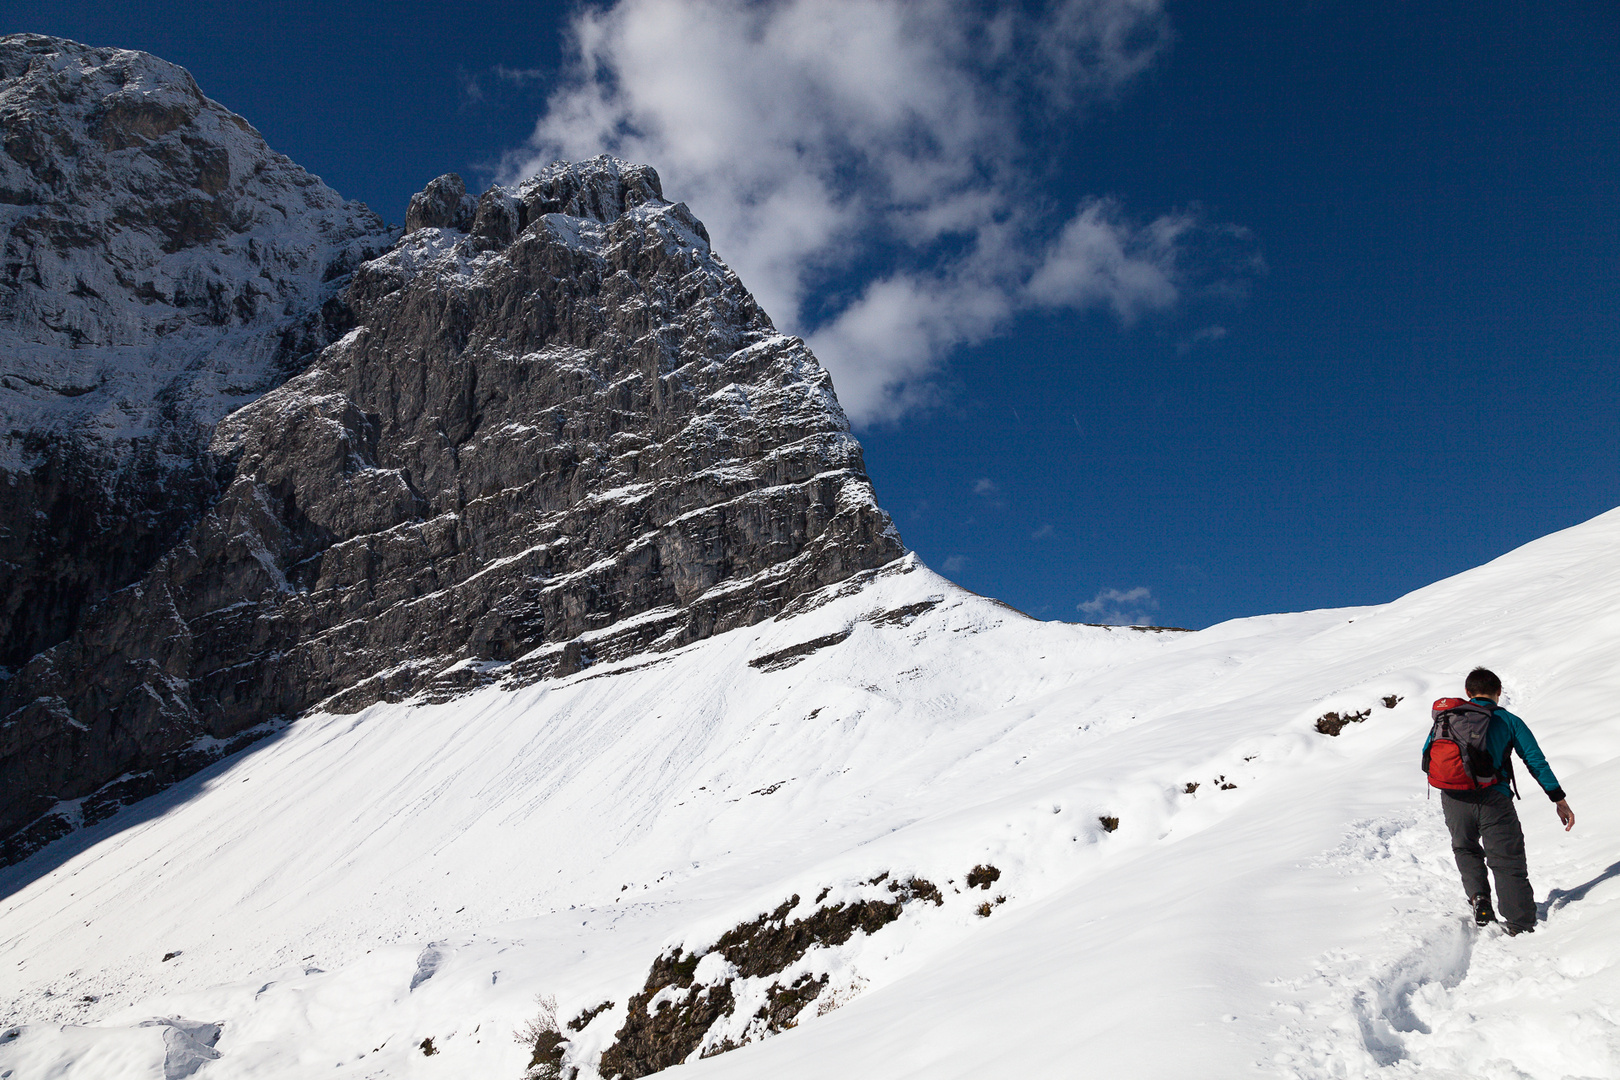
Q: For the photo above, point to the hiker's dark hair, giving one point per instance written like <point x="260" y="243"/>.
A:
<point x="1482" y="682"/>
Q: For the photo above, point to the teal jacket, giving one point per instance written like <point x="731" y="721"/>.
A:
<point x="1507" y="733"/>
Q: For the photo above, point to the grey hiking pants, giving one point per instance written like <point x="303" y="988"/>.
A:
<point x="1485" y="828"/>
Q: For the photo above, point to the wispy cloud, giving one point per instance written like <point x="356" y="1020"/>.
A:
<point x="472" y="90"/>
<point x="474" y="83"/>
<point x="1121" y="607"/>
<point x="954" y="564"/>
<point x="519" y="76"/>
<point x="1199" y="336"/>
<point x="1043" y="532"/>
<point x="990" y="491"/>
<point x="883" y="146"/>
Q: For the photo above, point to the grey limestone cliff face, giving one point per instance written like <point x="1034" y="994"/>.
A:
<point x="559" y="432"/>
<point x="159" y="267"/>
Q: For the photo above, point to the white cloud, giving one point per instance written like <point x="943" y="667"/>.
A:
<point x="1100" y="259"/>
<point x="1121" y="607"/>
<point x="986" y="487"/>
<point x="878" y="147"/>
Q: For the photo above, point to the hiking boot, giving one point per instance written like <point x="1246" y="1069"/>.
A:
<point x="1514" y="931"/>
<point x="1482" y="910"/>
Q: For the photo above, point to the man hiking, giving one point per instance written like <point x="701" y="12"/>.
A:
<point x="1468" y="755"/>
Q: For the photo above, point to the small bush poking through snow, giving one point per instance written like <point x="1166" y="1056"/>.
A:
<point x="427" y="1047"/>
<point x="981" y="876"/>
<point x="1190" y="787"/>
<point x="1109" y="824"/>
<point x="1392" y="700"/>
<point x="840" y="996"/>
<point x="542" y="1035"/>
<point x="984" y="910"/>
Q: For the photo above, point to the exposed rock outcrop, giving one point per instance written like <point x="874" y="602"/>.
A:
<point x="560" y="431"/>
<point x="684" y="1009"/>
<point x="443" y="204"/>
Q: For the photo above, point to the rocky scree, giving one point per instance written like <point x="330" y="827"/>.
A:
<point x="558" y="431"/>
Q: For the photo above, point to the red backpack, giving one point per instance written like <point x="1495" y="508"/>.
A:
<point x="1456" y="758"/>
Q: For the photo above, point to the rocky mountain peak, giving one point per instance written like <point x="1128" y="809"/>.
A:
<point x="556" y="430"/>
<point x="160" y="266"/>
<point x="600" y="190"/>
<point x="443" y="204"/>
<point x="136" y="209"/>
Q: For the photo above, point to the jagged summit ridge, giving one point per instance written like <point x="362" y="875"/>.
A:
<point x="600" y="189"/>
<point x="557" y="431"/>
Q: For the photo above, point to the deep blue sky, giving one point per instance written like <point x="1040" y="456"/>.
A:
<point x="1424" y="377"/>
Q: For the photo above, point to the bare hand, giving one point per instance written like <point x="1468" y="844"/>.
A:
<point x="1566" y="815"/>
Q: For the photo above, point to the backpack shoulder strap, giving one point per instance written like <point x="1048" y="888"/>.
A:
<point x="1506" y="767"/>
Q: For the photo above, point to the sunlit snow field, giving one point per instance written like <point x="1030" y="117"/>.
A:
<point x="362" y="883"/>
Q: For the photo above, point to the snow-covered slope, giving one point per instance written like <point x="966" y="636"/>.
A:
<point x="365" y="888"/>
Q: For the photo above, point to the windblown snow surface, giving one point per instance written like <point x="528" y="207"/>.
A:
<point x="360" y="884"/>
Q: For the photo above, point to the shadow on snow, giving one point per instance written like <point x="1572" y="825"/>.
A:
<point x="20" y="875"/>
<point x="1559" y="897"/>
